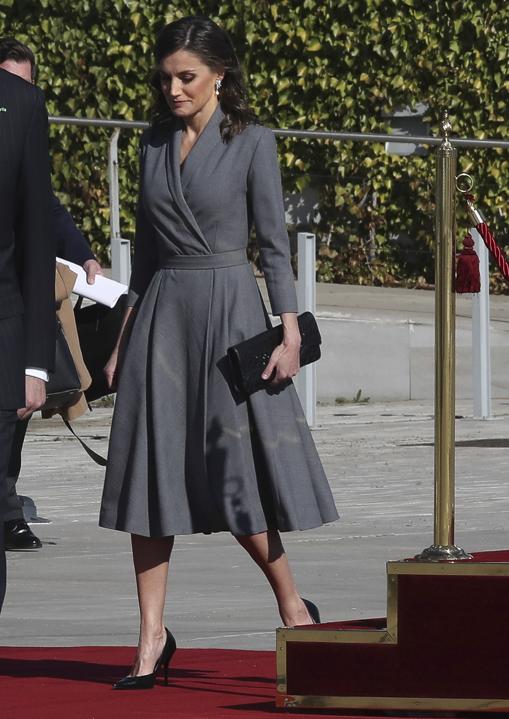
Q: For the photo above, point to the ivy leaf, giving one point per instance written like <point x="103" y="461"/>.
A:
<point x="314" y="45"/>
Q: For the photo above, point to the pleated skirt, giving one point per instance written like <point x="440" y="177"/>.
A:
<point x="187" y="454"/>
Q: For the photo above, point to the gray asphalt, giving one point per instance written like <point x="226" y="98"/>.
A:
<point x="79" y="589"/>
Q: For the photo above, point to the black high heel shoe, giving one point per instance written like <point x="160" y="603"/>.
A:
<point x="313" y="610"/>
<point x="147" y="681"/>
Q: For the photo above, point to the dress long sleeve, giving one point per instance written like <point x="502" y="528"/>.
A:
<point x="265" y="197"/>
<point x="145" y="253"/>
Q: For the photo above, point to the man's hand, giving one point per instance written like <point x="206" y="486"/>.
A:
<point x="92" y="268"/>
<point x="35" y="396"/>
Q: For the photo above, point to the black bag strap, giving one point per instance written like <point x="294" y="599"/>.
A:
<point x="101" y="461"/>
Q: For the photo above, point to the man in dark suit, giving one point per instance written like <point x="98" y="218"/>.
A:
<point x="27" y="263"/>
<point x="70" y="245"/>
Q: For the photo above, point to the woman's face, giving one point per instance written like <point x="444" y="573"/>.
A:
<point x="188" y="85"/>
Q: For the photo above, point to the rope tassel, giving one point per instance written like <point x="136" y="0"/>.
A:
<point x="468" y="278"/>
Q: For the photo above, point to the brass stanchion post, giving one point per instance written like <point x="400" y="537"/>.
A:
<point x="443" y="546"/>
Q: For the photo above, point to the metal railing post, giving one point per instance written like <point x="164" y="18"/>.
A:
<point x="120" y="247"/>
<point x="481" y="361"/>
<point x="306" y="298"/>
<point x="443" y="546"/>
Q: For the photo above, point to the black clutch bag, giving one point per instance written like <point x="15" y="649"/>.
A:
<point x="64" y="383"/>
<point x="249" y="358"/>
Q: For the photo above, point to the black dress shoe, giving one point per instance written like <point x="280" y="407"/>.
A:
<point x="19" y="537"/>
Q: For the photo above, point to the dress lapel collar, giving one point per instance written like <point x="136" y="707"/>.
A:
<point x="208" y="139"/>
<point x="174" y="180"/>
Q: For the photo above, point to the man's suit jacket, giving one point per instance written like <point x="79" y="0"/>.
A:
<point x="71" y="245"/>
<point x="27" y="244"/>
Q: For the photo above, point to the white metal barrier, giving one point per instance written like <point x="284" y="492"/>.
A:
<point x="481" y="361"/>
<point x="120" y="247"/>
<point x="306" y="297"/>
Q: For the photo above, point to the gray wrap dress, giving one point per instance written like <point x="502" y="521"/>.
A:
<point x="186" y="455"/>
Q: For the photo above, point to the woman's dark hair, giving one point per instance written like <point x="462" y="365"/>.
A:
<point x="212" y="45"/>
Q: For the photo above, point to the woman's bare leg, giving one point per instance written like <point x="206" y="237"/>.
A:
<point x="268" y="552"/>
<point x="151" y="558"/>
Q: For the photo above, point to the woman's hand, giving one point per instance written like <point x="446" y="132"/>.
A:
<point x="284" y="361"/>
<point x="112" y="366"/>
<point x="110" y="370"/>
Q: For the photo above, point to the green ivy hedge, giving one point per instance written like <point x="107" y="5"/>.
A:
<point x="310" y="64"/>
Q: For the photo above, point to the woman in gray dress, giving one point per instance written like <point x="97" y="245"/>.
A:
<point x="187" y="455"/>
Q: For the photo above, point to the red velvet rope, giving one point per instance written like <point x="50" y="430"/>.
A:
<point x="496" y="251"/>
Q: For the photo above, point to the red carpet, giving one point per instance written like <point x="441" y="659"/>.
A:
<point x="75" y="683"/>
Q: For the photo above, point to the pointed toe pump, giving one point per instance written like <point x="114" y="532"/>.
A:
<point x="313" y="610"/>
<point x="147" y="681"/>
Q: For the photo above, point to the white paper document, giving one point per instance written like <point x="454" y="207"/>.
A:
<point x="104" y="290"/>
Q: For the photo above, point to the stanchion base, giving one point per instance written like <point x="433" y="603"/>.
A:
<point x="442" y="552"/>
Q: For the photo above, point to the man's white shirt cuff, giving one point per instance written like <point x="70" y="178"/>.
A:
<point x="39" y="373"/>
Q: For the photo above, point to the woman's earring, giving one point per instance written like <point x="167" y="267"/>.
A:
<point x="218" y="86"/>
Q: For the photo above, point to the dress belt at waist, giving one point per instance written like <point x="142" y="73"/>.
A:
<point x="205" y="262"/>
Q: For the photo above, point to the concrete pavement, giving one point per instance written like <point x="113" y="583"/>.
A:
<point x="79" y="589"/>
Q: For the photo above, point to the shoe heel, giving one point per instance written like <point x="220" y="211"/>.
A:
<point x="167" y="655"/>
